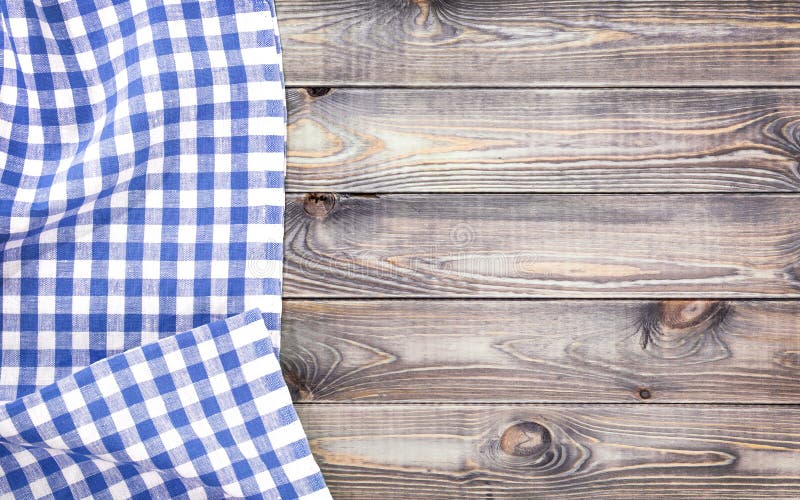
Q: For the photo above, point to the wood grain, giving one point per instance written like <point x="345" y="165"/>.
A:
<point x="563" y="451"/>
<point x="602" y="246"/>
<point x="515" y="140"/>
<point x="543" y="351"/>
<point x="543" y="43"/>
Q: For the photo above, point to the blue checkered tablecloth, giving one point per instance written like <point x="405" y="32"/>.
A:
<point x="142" y="147"/>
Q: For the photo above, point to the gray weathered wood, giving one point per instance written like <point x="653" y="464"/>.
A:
<point x="538" y="43"/>
<point x="562" y="451"/>
<point x="713" y="250"/>
<point x="543" y="245"/>
<point x="517" y="140"/>
<point x="543" y="351"/>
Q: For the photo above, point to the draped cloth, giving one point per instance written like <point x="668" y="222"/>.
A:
<point x="142" y="147"/>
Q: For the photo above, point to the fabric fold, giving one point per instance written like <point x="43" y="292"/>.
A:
<point x="202" y="413"/>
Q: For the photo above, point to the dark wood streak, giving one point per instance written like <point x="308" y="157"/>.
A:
<point x="551" y="42"/>
<point x="515" y="140"/>
<point x="713" y="246"/>
<point x="542" y="351"/>
<point x="575" y="452"/>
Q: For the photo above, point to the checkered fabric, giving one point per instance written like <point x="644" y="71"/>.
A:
<point x="142" y="147"/>
<point x="204" y="413"/>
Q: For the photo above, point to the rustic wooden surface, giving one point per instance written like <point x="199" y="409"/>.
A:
<point x="555" y="452"/>
<point x="540" y="43"/>
<point x="545" y="249"/>
<point x="517" y="140"/>
<point x="481" y="245"/>
<point x="543" y="351"/>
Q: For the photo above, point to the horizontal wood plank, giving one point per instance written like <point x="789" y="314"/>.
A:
<point x="569" y="451"/>
<point x="516" y="140"/>
<point x="543" y="351"/>
<point x="540" y="43"/>
<point x="599" y="246"/>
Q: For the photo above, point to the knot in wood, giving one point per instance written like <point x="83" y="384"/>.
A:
<point x="789" y="359"/>
<point x="318" y="91"/>
<point x="685" y="329"/>
<point x="525" y="439"/>
<point x="680" y="314"/>
<point x="793" y="270"/>
<point x="319" y="204"/>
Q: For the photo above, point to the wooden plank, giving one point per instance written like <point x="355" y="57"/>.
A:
<point x="599" y="246"/>
<point x="477" y="140"/>
<point x="526" y="451"/>
<point x="543" y="351"/>
<point x="546" y="43"/>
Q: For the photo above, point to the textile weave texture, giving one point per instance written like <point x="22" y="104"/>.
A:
<point x="142" y="146"/>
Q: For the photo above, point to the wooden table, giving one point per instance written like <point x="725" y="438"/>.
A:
<point x="545" y="249"/>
